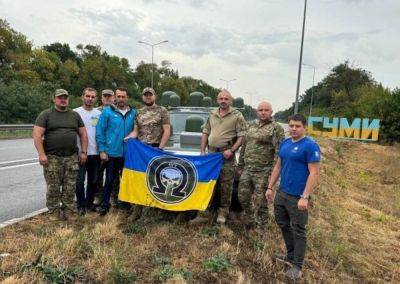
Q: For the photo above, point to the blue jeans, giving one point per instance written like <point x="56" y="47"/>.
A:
<point x="91" y="167"/>
<point x="114" y="168"/>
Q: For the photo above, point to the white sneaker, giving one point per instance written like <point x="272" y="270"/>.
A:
<point x="221" y="219"/>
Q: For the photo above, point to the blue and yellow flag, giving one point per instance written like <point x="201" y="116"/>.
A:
<point x="162" y="179"/>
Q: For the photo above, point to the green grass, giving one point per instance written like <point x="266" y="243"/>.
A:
<point x="54" y="273"/>
<point x="167" y="272"/>
<point x="217" y="263"/>
<point x="121" y="276"/>
<point x="11" y="134"/>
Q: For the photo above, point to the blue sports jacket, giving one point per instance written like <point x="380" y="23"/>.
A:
<point x="111" y="129"/>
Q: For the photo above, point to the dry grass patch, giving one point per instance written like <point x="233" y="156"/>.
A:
<point x="353" y="237"/>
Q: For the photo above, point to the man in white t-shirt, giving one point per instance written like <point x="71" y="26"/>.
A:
<point x="90" y="116"/>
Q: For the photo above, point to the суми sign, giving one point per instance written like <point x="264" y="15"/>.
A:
<point x="360" y="129"/>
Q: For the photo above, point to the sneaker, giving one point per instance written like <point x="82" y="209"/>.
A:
<point x="92" y="208"/>
<point x="279" y="257"/>
<point x="294" y="273"/>
<point x="103" y="211"/>
<point x="221" y="219"/>
<point x="81" y="211"/>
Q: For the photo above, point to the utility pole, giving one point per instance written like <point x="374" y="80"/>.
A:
<point x="296" y="104"/>
<point x="152" y="45"/>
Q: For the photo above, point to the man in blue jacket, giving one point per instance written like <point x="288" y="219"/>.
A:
<point x="115" y="123"/>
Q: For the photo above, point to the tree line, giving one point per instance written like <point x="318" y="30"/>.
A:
<point x="352" y="92"/>
<point x="29" y="75"/>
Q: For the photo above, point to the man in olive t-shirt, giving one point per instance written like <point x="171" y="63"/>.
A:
<point x="54" y="135"/>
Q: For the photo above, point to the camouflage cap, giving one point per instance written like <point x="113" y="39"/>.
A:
<point x="148" y="90"/>
<point x="107" y="92"/>
<point x="60" y="92"/>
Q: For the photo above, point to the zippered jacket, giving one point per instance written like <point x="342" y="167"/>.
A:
<point x="111" y="129"/>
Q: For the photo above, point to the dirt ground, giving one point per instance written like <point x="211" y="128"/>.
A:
<point x="353" y="236"/>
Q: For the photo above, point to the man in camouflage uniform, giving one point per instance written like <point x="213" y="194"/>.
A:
<point x="223" y="132"/>
<point x="256" y="162"/>
<point x="58" y="151"/>
<point x="152" y="127"/>
<point x="152" y="122"/>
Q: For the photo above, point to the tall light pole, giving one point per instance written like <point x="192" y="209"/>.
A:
<point x="312" y="90"/>
<point x="152" y="57"/>
<point x="227" y="82"/>
<point x="296" y="104"/>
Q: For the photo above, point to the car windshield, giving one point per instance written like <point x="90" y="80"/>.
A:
<point x="178" y="120"/>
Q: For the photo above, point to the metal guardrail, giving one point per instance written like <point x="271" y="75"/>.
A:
<point x="4" y="127"/>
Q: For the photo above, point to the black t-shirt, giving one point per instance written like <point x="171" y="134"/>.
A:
<point x="61" y="131"/>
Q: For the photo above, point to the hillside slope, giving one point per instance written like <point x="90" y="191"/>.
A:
<point x="353" y="236"/>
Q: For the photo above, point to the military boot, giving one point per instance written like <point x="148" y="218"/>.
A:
<point x="62" y="215"/>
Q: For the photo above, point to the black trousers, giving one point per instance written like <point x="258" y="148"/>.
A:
<point x="91" y="168"/>
<point x="292" y="222"/>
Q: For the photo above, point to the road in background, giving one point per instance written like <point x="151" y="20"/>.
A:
<point x="22" y="186"/>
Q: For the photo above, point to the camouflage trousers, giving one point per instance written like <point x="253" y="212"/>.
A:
<point x="252" y="187"/>
<point x="60" y="175"/>
<point x="221" y="199"/>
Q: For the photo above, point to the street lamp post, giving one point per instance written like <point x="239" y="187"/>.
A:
<point x="227" y="82"/>
<point x="296" y="104"/>
<point x="312" y="89"/>
<point x="152" y="45"/>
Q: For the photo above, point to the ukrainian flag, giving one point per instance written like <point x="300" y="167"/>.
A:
<point x="157" y="178"/>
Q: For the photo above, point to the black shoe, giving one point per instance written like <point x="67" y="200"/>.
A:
<point x="91" y="208"/>
<point x="81" y="211"/>
<point x="103" y="211"/>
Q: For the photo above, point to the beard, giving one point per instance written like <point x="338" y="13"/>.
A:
<point x="149" y="104"/>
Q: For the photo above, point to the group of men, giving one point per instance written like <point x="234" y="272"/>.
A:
<point x="264" y="157"/>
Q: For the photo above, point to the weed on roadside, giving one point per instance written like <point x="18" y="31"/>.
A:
<point x="217" y="263"/>
<point x="54" y="273"/>
<point x="167" y="272"/>
<point x="133" y="229"/>
<point x="121" y="276"/>
<point x="208" y="231"/>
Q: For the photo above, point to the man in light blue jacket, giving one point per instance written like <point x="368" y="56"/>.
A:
<point x="115" y="123"/>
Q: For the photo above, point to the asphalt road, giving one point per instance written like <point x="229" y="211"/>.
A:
<point x="22" y="186"/>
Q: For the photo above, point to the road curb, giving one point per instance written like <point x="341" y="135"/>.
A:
<point x="27" y="216"/>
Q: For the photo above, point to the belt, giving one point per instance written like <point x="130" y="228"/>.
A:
<point x="219" y="149"/>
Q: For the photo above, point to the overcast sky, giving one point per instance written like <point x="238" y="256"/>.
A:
<point x="255" y="41"/>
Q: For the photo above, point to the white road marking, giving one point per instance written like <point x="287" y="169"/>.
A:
<point x="27" y="216"/>
<point x="17" y="161"/>
<point x="18" y="166"/>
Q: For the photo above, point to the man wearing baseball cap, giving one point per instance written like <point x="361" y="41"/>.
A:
<point x="55" y="138"/>
<point x="107" y="98"/>
<point x="152" y="127"/>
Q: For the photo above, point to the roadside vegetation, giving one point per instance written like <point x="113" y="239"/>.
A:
<point x="354" y="236"/>
<point x="14" y="134"/>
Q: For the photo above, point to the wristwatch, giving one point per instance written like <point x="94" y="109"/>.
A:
<point x="306" y="197"/>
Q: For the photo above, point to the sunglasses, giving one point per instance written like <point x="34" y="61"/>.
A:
<point x="148" y="95"/>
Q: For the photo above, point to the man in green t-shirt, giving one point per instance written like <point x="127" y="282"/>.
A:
<point x="55" y="137"/>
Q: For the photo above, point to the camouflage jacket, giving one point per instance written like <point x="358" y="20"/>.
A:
<point x="261" y="146"/>
<point x="150" y="121"/>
